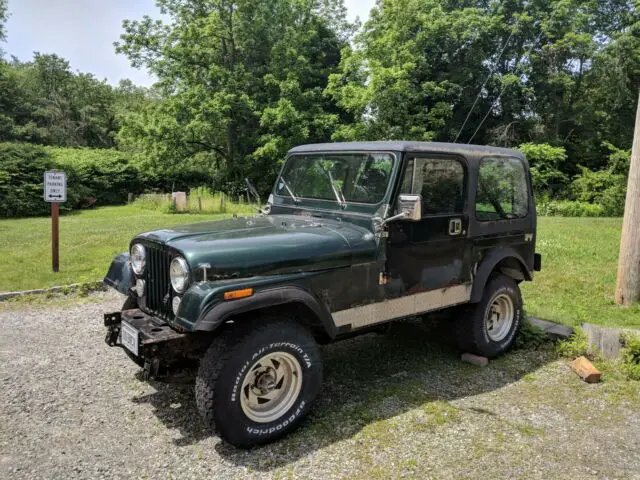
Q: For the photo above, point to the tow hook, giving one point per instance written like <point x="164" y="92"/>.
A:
<point x="112" y="322"/>
<point x="151" y="368"/>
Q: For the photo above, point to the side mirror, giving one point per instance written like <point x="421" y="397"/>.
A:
<point x="410" y="206"/>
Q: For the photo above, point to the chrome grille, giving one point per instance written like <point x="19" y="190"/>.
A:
<point x="158" y="291"/>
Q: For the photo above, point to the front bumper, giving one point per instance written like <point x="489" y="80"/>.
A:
<point x="162" y="351"/>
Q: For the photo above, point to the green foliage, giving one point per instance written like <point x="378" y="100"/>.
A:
<point x="576" y="345"/>
<point x="530" y="337"/>
<point x="569" y="208"/>
<point x="22" y="168"/>
<point x="606" y="187"/>
<point x="199" y="200"/>
<point x="547" y="163"/>
<point x="240" y="82"/>
<point x="240" y="97"/>
<point x="602" y="188"/>
<point x="631" y="355"/>
<point x="3" y="19"/>
<point x="44" y="102"/>
<point x="107" y="175"/>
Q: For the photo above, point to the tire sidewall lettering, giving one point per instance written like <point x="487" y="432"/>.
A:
<point x="278" y="427"/>
<point x="299" y="408"/>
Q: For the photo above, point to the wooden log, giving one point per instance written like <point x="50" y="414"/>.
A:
<point x="585" y="370"/>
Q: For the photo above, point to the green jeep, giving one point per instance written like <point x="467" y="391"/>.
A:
<point x="354" y="235"/>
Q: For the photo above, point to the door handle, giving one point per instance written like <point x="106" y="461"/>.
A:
<point x="455" y="226"/>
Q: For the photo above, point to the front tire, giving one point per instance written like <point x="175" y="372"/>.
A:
<point x="489" y="328"/>
<point x="257" y="381"/>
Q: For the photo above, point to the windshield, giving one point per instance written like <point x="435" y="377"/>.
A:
<point x="350" y="177"/>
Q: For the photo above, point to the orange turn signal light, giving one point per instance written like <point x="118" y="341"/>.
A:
<point x="232" y="295"/>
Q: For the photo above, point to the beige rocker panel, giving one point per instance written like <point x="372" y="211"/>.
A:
<point x="408" y="305"/>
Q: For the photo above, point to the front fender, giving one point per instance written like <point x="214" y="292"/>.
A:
<point x="120" y="275"/>
<point x="204" y="301"/>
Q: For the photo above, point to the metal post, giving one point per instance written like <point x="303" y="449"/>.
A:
<point x="55" y="259"/>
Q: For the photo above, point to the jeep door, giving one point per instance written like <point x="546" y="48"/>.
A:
<point x="432" y="253"/>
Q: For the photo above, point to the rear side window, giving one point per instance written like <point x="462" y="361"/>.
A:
<point x="440" y="181"/>
<point x="503" y="191"/>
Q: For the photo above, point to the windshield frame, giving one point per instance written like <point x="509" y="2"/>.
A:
<point x="311" y="200"/>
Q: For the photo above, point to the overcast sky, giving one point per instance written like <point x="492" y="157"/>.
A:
<point x="83" y="32"/>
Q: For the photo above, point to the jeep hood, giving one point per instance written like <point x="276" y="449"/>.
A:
<point x="269" y="244"/>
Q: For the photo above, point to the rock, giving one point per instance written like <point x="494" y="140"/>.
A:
<point x="475" y="359"/>
<point x="585" y="370"/>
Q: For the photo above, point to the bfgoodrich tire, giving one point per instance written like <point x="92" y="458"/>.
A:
<point x="489" y="328"/>
<point x="257" y="381"/>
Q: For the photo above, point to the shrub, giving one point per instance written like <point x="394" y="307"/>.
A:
<point x="576" y="345"/>
<point x="107" y="174"/>
<point x="22" y="168"/>
<point x="530" y="337"/>
<point x="603" y="187"/>
<point x="566" y="208"/>
<point x="546" y="163"/>
<point x="631" y="355"/>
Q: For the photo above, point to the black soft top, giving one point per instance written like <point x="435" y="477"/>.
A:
<point x="468" y="151"/>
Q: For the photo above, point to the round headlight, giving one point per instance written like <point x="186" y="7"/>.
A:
<point x="138" y="258"/>
<point x="179" y="273"/>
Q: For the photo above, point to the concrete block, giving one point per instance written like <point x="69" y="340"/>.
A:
<point x="475" y="359"/>
<point x="180" y="199"/>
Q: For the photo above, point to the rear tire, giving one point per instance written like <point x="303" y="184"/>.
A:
<point x="489" y="328"/>
<point x="258" y="381"/>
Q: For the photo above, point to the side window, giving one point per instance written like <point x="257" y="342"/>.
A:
<point x="440" y="181"/>
<point x="502" y="189"/>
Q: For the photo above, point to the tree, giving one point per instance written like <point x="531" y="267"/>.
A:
<point x="3" y="19"/>
<point x="561" y="72"/>
<point x="241" y="81"/>
<point x="44" y="102"/>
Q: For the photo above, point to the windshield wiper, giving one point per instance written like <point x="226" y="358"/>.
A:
<point x="336" y="191"/>
<point x="286" y="185"/>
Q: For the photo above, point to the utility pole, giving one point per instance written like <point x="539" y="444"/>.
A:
<point x="628" y="284"/>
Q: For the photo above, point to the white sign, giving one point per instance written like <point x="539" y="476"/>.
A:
<point x="55" y="187"/>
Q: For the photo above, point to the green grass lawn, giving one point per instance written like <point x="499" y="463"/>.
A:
<point x="89" y="240"/>
<point x="578" y="277"/>
<point x="576" y="283"/>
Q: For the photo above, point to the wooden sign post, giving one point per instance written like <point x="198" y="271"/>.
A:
<point x="55" y="192"/>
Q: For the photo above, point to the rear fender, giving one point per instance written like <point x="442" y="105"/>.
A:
<point x="487" y="266"/>
<point x="120" y="274"/>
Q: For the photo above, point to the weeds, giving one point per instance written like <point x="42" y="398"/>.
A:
<point x="199" y="200"/>
<point x="631" y="355"/>
<point x="576" y="345"/>
<point x="530" y="337"/>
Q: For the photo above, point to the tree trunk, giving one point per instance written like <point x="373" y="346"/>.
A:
<point x="628" y="285"/>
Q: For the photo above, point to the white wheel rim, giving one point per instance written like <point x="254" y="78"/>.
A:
<point x="271" y="387"/>
<point x="500" y="316"/>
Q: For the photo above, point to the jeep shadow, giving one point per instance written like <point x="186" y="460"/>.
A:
<point x="369" y="378"/>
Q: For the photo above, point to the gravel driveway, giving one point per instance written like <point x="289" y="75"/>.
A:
<point x="393" y="405"/>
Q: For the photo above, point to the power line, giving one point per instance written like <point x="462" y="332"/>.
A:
<point x="493" y="69"/>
